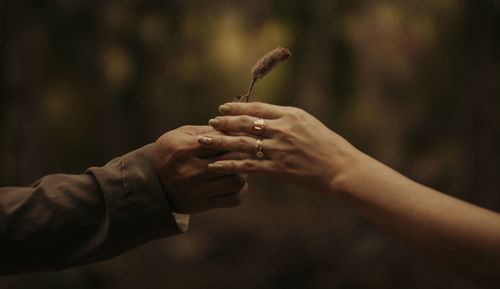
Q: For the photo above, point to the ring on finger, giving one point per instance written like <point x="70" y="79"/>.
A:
<point x="258" y="126"/>
<point x="259" y="146"/>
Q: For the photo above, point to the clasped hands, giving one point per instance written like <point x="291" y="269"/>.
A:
<point x="205" y="167"/>
<point x="190" y="186"/>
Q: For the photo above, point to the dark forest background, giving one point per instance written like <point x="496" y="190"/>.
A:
<point x="413" y="83"/>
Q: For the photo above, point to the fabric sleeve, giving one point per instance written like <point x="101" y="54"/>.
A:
<point x="63" y="221"/>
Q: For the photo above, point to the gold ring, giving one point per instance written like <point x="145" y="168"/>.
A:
<point x="259" y="126"/>
<point x="259" y="147"/>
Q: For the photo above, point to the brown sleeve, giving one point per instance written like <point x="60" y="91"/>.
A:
<point x="68" y="220"/>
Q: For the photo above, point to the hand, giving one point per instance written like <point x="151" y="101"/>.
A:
<point x="297" y="147"/>
<point x="182" y="164"/>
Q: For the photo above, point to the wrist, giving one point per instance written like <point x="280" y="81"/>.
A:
<point x="351" y="163"/>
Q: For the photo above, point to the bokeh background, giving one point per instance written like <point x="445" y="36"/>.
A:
<point x="413" y="83"/>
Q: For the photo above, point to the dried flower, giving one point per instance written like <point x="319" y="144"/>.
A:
<point x="270" y="61"/>
<point x="267" y="63"/>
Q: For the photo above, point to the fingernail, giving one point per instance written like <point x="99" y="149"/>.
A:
<point x="224" y="108"/>
<point x="213" y="122"/>
<point x="204" y="140"/>
<point x="215" y="166"/>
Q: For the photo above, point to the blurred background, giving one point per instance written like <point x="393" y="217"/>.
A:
<point x="413" y="83"/>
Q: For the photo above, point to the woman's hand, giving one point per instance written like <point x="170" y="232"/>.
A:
<point x="296" y="147"/>
<point x="302" y="151"/>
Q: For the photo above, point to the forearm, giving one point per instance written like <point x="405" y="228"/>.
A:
<point x="458" y="234"/>
<point x="67" y="220"/>
<point x="302" y="151"/>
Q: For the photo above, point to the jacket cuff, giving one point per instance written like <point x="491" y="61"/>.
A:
<point x="182" y="221"/>
<point x="142" y="184"/>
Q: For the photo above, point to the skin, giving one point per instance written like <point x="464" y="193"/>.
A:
<point x="190" y="185"/>
<point x="300" y="150"/>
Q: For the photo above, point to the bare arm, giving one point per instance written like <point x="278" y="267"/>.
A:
<point x="302" y="151"/>
<point x="457" y="234"/>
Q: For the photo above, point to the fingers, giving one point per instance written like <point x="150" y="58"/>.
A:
<point x="231" y="199"/>
<point x="225" y="184"/>
<point x="195" y="169"/>
<point x="199" y="166"/>
<point x="242" y="144"/>
<point x="256" y="109"/>
<point x="205" y="152"/>
<point x="252" y="166"/>
<point x="232" y="155"/>
<point x="244" y="124"/>
<point x="194" y="130"/>
<point x="208" y="153"/>
<point x="245" y="146"/>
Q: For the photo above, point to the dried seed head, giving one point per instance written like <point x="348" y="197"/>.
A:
<point x="270" y="61"/>
<point x="264" y="66"/>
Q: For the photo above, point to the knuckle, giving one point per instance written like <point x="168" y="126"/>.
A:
<point x="235" y="156"/>
<point x="229" y="165"/>
<point x="284" y="135"/>
<point x="276" y="129"/>
<point x="222" y="122"/>
<point x="241" y="156"/>
<point x="247" y="121"/>
<point x="288" y="110"/>
<point x="248" y="164"/>
<point x="242" y="142"/>
<point x="189" y="130"/>
<point x="296" y="113"/>
<point x="259" y="105"/>
<point x="184" y="172"/>
<point x="256" y="107"/>
<point x="216" y="141"/>
<point x="182" y="149"/>
<point x="243" y="126"/>
<point x="289" y="142"/>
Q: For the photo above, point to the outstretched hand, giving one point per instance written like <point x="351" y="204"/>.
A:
<point x="296" y="147"/>
<point x="299" y="149"/>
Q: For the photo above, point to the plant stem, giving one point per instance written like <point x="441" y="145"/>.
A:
<point x="246" y="96"/>
<point x="250" y="90"/>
